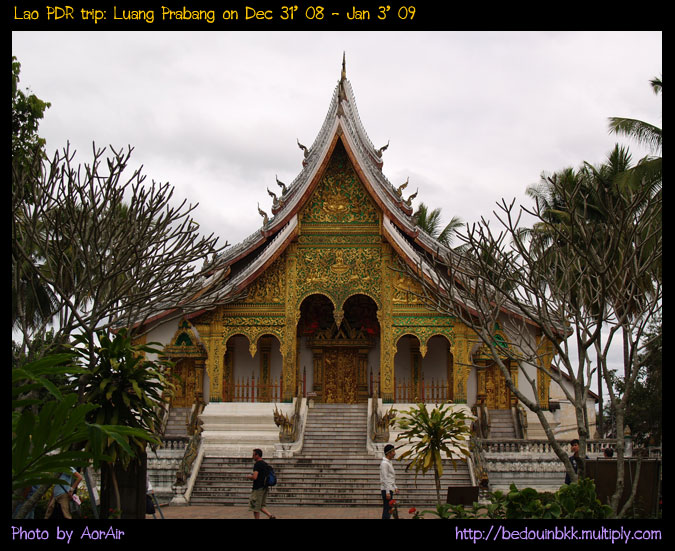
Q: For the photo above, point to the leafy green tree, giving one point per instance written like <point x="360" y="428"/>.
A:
<point x="644" y="409"/>
<point x="48" y="427"/>
<point x="128" y="390"/>
<point x="33" y="302"/>
<point x="444" y="430"/>
<point x="27" y="111"/>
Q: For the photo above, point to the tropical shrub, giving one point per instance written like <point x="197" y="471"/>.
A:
<point x="443" y="430"/>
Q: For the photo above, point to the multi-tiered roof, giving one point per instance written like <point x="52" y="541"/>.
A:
<point x="231" y="272"/>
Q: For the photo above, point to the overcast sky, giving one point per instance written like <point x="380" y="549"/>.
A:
<point x="471" y="116"/>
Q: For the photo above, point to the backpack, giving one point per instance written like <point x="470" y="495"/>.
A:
<point x="270" y="477"/>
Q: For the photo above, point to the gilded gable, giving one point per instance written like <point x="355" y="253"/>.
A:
<point x="340" y="198"/>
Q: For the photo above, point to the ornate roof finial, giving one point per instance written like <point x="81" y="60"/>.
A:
<point x="399" y="190"/>
<point x="382" y="149"/>
<point x="264" y="215"/>
<point x="281" y="185"/>
<point x="304" y="149"/>
<point x="342" y="94"/>
<point x="410" y="199"/>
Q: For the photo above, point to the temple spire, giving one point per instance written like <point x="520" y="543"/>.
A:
<point x="342" y="95"/>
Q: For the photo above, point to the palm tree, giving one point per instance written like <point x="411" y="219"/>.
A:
<point x="645" y="133"/>
<point x="430" y="223"/>
<point x="594" y="194"/>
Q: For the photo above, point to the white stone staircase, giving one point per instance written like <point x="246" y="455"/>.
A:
<point x="333" y="469"/>
<point x="501" y="425"/>
<point x="177" y="423"/>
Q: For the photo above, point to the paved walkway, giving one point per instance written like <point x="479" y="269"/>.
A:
<point x="280" y="511"/>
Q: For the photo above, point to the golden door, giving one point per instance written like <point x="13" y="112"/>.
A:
<point x="340" y="375"/>
<point x="186" y="380"/>
<point x="497" y="394"/>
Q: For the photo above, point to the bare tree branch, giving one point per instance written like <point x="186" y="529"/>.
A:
<point x="112" y="248"/>
<point x="588" y="279"/>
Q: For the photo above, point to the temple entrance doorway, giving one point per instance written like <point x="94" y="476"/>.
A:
<point x="340" y="375"/>
<point x="340" y="346"/>
<point x="494" y="392"/>
<point x="188" y="381"/>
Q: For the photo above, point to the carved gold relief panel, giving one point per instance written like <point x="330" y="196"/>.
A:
<point x="270" y="286"/>
<point x="406" y="290"/>
<point x="496" y="393"/>
<point x="188" y="381"/>
<point x="339" y="272"/>
<point x="340" y="197"/>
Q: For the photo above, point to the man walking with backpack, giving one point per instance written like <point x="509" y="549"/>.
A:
<point x="260" y="489"/>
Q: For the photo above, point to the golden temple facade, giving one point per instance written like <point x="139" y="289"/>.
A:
<point x="315" y="303"/>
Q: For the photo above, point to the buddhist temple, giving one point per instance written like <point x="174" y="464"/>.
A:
<point x="311" y="309"/>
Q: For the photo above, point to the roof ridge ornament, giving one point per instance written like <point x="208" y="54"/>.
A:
<point x="264" y="216"/>
<point x="305" y="150"/>
<point x="283" y="187"/>
<point x="399" y="190"/>
<point x="277" y="203"/>
<point x="342" y="93"/>
<point x="382" y="149"/>
<point x="410" y="199"/>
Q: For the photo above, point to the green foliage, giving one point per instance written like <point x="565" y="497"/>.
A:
<point x="41" y="442"/>
<point x="127" y="390"/>
<point x="577" y="500"/>
<point x="48" y="428"/>
<point x="43" y="425"/>
<point x="430" y="222"/>
<point x="580" y="500"/>
<point x="644" y="408"/>
<point x="528" y="503"/>
<point x="431" y="433"/>
<point x="443" y="430"/>
<point x="27" y="111"/>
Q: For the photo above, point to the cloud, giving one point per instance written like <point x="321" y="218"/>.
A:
<point x="472" y="116"/>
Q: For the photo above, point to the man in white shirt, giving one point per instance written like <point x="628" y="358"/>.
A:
<point x="387" y="480"/>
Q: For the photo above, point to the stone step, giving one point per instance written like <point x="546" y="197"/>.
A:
<point x="332" y="469"/>
<point x="302" y="488"/>
<point x="501" y="424"/>
<point x="176" y="424"/>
